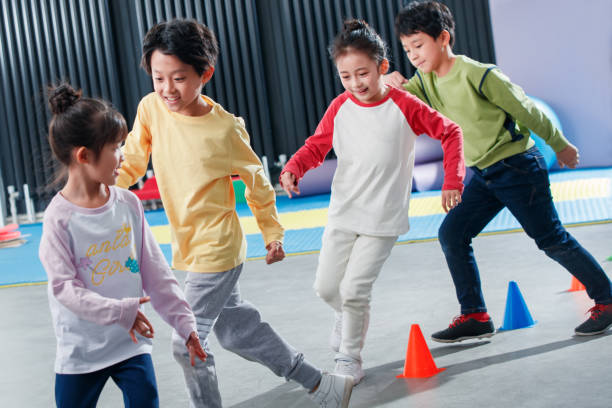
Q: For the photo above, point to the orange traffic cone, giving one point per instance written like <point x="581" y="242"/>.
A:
<point x="419" y="362"/>
<point x="576" y="285"/>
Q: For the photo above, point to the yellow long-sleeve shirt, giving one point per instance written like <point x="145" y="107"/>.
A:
<point x="193" y="159"/>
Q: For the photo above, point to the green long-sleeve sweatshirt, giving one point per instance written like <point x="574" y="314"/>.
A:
<point x="494" y="114"/>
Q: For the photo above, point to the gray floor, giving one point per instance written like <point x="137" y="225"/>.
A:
<point x="542" y="366"/>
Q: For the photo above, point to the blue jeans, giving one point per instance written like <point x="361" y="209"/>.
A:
<point x="519" y="182"/>
<point x="134" y="376"/>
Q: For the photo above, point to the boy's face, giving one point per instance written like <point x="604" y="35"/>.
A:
<point x="423" y="51"/>
<point x="177" y="83"/>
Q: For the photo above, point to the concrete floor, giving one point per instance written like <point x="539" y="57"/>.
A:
<point x="542" y="366"/>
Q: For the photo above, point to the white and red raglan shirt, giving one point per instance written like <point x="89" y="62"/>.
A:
<point x="99" y="262"/>
<point x="374" y="144"/>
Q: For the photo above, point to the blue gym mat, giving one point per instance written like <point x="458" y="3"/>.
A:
<point x="582" y="205"/>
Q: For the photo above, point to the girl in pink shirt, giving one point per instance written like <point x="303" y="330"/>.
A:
<point x="103" y="263"/>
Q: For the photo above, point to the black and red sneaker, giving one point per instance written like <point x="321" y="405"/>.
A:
<point x="599" y="322"/>
<point x="463" y="327"/>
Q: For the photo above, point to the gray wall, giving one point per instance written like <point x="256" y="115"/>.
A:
<point x="273" y="68"/>
<point x="561" y="52"/>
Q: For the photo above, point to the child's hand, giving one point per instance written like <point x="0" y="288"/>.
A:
<point x="289" y="184"/>
<point x="195" y="348"/>
<point x="275" y="252"/>
<point x="568" y="157"/>
<point x="142" y="324"/>
<point x="450" y="199"/>
<point x="394" y="79"/>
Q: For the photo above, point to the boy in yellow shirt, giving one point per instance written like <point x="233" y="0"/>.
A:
<point x="196" y="146"/>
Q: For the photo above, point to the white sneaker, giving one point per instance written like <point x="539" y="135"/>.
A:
<point x="334" y="391"/>
<point x="336" y="334"/>
<point x="351" y="368"/>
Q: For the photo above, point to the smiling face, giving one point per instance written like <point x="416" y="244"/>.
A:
<point x="424" y="52"/>
<point x="104" y="168"/>
<point x="362" y="76"/>
<point x="178" y="84"/>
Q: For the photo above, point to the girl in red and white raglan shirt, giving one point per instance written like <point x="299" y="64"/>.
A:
<point x="372" y="129"/>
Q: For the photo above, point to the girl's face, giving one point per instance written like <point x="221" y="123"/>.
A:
<point x="105" y="168"/>
<point x="177" y="84"/>
<point x="362" y="76"/>
<point x="423" y="51"/>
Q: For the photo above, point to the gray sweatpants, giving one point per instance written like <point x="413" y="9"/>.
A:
<point x="217" y="305"/>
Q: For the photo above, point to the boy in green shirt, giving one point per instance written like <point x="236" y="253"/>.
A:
<point x="509" y="171"/>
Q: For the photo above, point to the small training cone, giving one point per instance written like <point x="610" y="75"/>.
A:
<point x="517" y="315"/>
<point x="576" y="285"/>
<point x="419" y="362"/>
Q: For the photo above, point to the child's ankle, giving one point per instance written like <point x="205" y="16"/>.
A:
<point x="481" y="316"/>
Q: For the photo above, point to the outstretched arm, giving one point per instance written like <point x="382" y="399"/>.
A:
<point x="313" y="153"/>
<point x="259" y="193"/>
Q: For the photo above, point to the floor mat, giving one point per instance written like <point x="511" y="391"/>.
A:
<point x="581" y="196"/>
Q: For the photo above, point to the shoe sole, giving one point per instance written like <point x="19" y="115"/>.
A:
<point x="348" y="390"/>
<point x="480" y="336"/>
<point x="593" y="333"/>
<point x="356" y="380"/>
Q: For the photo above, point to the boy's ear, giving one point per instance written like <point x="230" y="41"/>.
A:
<point x="208" y="74"/>
<point x="82" y="155"/>
<point x="383" y="68"/>
<point x="444" y="38"/>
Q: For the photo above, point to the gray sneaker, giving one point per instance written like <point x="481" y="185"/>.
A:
<point x="334" y="391"/>
<point x="350" y="367"/>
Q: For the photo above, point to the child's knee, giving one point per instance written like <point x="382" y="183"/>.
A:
<point x="445" y="235"/>
<point x="327" y="293"/>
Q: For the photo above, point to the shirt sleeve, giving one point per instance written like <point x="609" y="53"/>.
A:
<point x="413" y="86"/>
<point x="423" y="119"/>
<point x="160" y="284"/>
<point x="136" y="151"/>
<point x="259" y="193"/>
<point x="56" y="256"/>
<point x="316" y="147"/>
<point x="510" y="97"/>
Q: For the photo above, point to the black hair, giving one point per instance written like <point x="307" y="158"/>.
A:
<point x="358" y="35"/>
<point x="77" y="121"/>
<point x="429" y="17"/>
<point x="190" y="41"/>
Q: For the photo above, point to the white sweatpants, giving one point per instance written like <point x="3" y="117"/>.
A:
<point x="349" y="263"/>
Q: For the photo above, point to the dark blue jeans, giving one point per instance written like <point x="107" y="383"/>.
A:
<point x="519" y="182"/>
<point x="134" y="376"/>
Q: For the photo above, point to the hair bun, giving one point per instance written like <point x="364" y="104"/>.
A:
<point x="354" y="24"/>
<point x="62" y="97"/>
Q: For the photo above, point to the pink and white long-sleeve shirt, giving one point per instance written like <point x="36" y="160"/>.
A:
<point x="374" y="144"/>
<point x="99" y="262"/>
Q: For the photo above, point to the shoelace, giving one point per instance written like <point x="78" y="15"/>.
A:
<point x="458" y="320"/>
<point x="596" y="311"/>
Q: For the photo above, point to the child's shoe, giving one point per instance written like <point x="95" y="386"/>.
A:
<point x="334" y="391"/>
<point x="599" y="322"/>
<point x="463" y="327"/>
<point x="350" y="367"/>
<point x="336" y="334"/>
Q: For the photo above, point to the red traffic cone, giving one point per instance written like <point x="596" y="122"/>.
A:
<point x="419" y="362"/>
<point x="576" y="285"/>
